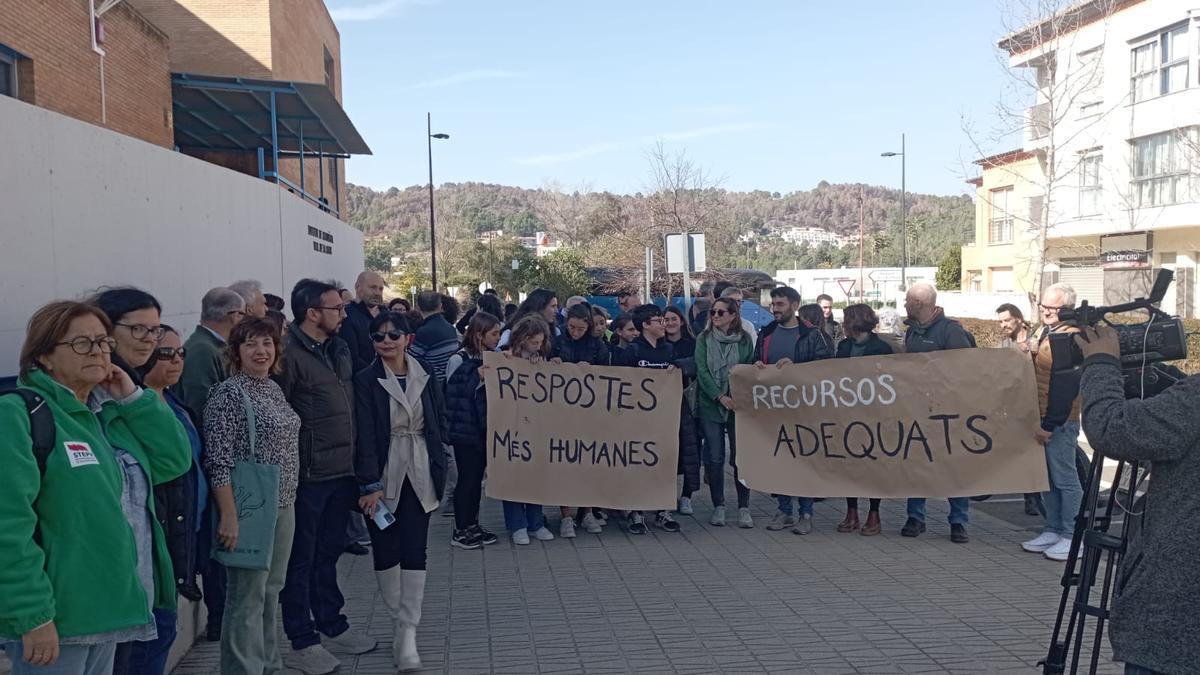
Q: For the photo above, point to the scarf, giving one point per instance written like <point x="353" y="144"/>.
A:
<point x="723" y="354"/>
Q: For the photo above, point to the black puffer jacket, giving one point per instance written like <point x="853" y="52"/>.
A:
<point x="875" y="346"/>
<point x="317" y="381"/>
<point x="588" y="350"/>
<point x="466" y="405"/>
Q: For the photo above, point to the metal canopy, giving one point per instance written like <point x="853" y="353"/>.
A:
<point x="236" y="113"/>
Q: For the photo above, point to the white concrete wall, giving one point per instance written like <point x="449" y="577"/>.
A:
<point x="813" y="282"/>
<point x="85" y="207"/>
<point x="983" y="305"/>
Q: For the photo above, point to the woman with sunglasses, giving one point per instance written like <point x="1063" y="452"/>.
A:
<point x="401" y="469"/>
<point x="186" y="498"/>
<point x="82" y="562"/>
<point x="720" y="347"/>
<point x="137" y="328"/>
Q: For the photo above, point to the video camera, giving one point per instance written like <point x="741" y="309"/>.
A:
<point x="1144" y="346"/>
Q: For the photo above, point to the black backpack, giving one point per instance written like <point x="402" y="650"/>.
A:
<point x="41" y="425"/>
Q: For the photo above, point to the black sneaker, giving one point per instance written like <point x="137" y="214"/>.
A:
<point x="465" y="539"/>
<point x="486" y="538"/>
<point x="600" y="514"/>
<point x="637" y="523"/>
<point x="912" y="528"/>
<point x="958" y="533"/>
<point x="666" y="522"/>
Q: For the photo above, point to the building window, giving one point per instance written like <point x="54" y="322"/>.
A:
<point x="8" y="72"/>
<point x="1159" y="66"/>
<point x="1164" y="169"/>
<point x="1000" y="224"/>
<point x="1088" y="80"/>
<point x="330" y="72"/>
<point x="1089" y="184"/>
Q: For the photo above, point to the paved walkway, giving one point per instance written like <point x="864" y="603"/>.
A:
<point x="711" y="600"/>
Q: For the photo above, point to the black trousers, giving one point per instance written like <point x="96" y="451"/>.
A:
<point x="852" y="503"/>
<point x="471" y="463"/>
<point x="404" y="542"/>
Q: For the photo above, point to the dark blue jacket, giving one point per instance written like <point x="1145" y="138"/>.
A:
<point x="875" y="347"/>
<point x="466" y="405"/>
<point x="590" y="350"/>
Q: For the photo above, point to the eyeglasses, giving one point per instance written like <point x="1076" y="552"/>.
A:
<point x="84" y="345"/>
<point x="236" y="311"/>
<point x="1050" y="308"/>
<point x="395" y="335"/>
<point x="718" y="312"/>
<point x="336" y="308"/>
<point x="655" y="320"/>
<point x="142" y="331"/>
<point x="169" y="353"/>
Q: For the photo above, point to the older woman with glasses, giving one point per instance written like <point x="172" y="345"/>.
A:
<point x="83" y="564"/>
<point x="401" y="468"/>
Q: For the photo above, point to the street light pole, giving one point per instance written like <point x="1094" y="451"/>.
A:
<point x="903" y="211"/>
<point x="432" y="231"/>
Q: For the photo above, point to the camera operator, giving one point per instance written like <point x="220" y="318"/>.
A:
<point x="1058" y="402"/>
<point x="1155" y="627"/>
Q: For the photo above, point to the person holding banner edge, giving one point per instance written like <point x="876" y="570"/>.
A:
<point x="530" y="340"/>
<point x="721" y="346"/>
<point x="858" y="324"/>
<point x="929" y="330"/>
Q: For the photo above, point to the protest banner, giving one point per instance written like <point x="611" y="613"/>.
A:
<point x="572" y="435"/>
<point x="943" y="424"/>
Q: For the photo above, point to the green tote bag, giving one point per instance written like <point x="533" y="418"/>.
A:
<point x="256" y="494"/>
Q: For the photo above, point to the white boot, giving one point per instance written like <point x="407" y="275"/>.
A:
<point x="408" y="618"/>
<point x="391" y="587"/>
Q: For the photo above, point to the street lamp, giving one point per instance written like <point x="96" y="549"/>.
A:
<point x="903" y="214"/>
<point x="432" y="234"/>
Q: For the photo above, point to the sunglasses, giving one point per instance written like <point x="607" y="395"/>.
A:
<point x="393" y="334"/>
<point x="169" y="353"/>
<point x="719" y="312"/>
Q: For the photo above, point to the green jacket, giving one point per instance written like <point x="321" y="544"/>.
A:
<point x="707" y="406"/>
<point x="67" y="554"/>
<point x="203" y="369"/>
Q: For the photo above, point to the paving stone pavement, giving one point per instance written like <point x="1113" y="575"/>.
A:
<point x="722" y="600"/>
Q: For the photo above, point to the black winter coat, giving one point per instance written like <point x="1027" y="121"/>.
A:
<point x="355" y="331"/>
<point x="466" y="406"/>
<point x="590" y="350"/>
<point x="373" y="409"/>
<point x="875" y="347"/>
<point x="317" y="382"/>
<point x="812" y="344"/>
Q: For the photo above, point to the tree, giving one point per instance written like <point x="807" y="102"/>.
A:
<point x="377" y="256"/>
<point x="563" y="271"/>
<point x="949" y="272"/>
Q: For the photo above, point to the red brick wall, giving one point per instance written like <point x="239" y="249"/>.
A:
<point x="63" y="73"/>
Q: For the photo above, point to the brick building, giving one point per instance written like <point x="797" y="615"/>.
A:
<point x="48" y="58"/>
<point x="287" y="40"/>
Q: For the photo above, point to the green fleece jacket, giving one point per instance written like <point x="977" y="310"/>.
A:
<point x="67" y="554"/>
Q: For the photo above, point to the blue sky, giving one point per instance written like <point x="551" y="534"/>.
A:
<point x="765" y="95"/>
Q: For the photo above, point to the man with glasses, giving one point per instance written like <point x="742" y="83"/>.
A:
<point x="316" y="380"/>
<point x="1058" y="401"/>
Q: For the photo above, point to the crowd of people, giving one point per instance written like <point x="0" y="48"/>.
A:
<point x="368" y="417"/>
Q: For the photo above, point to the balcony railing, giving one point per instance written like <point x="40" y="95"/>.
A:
<point x="1038" y="122"/>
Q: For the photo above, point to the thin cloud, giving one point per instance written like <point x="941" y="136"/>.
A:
<point x="610" y="146"/>
<point x="374" y="10"/>
<point x="467" y="76"/>
<point x="716" y="110"/>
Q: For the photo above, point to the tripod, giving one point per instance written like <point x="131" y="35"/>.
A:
<point x="1092" y="544"/>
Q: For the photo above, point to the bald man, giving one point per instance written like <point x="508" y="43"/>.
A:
<point x="368" y="289"/>
<point x="930" y="331"/>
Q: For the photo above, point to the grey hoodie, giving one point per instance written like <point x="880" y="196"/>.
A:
<point x="1155" y="620"/>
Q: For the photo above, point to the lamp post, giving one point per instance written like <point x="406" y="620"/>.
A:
<point x="903" y="213"/>
<point x="432" y="233"/>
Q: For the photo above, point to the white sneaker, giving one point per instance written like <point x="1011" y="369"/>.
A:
<point x="521" y="537"/>
<point x="567" y="529"/>
<point x="685" y="506"/>
<point x="312" y="660"/>
<point x="1060" y="551"/>
<point x="1043" y="542"/>
<point x="718" y="517"/>
<point x="350" y="642"/>
<point x="591" y="524"/>
<point x="542" y="534"/>
<point x="744" y="519"/>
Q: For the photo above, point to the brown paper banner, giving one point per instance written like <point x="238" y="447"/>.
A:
<point x="944" y="424"/>
<point x="571" y="435"/>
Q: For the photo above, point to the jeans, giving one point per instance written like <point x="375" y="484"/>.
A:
<point x="212" y="573"/>
<point x="72" y="660"/>
<point x="150" y="658"/>
<point x="520" y="516"/>
<point x="356" y="529"/>
<point x="785" y="505"/>
<point x="1066" y="494"/>
<point x="311" y="598"/>
<point x="451" y="477"/>
<point x="471" y="462"/>
<point x="958" y="509"/>
<point x="250" y="632"/>
<point x="716" y="434"/>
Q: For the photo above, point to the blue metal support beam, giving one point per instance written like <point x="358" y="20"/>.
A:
<point x="225" y="109"/>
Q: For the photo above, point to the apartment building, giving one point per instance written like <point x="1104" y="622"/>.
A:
<point x="815" y="236"/>
<point x="1003" y="256"/>
<point x="1113" y="127"/>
